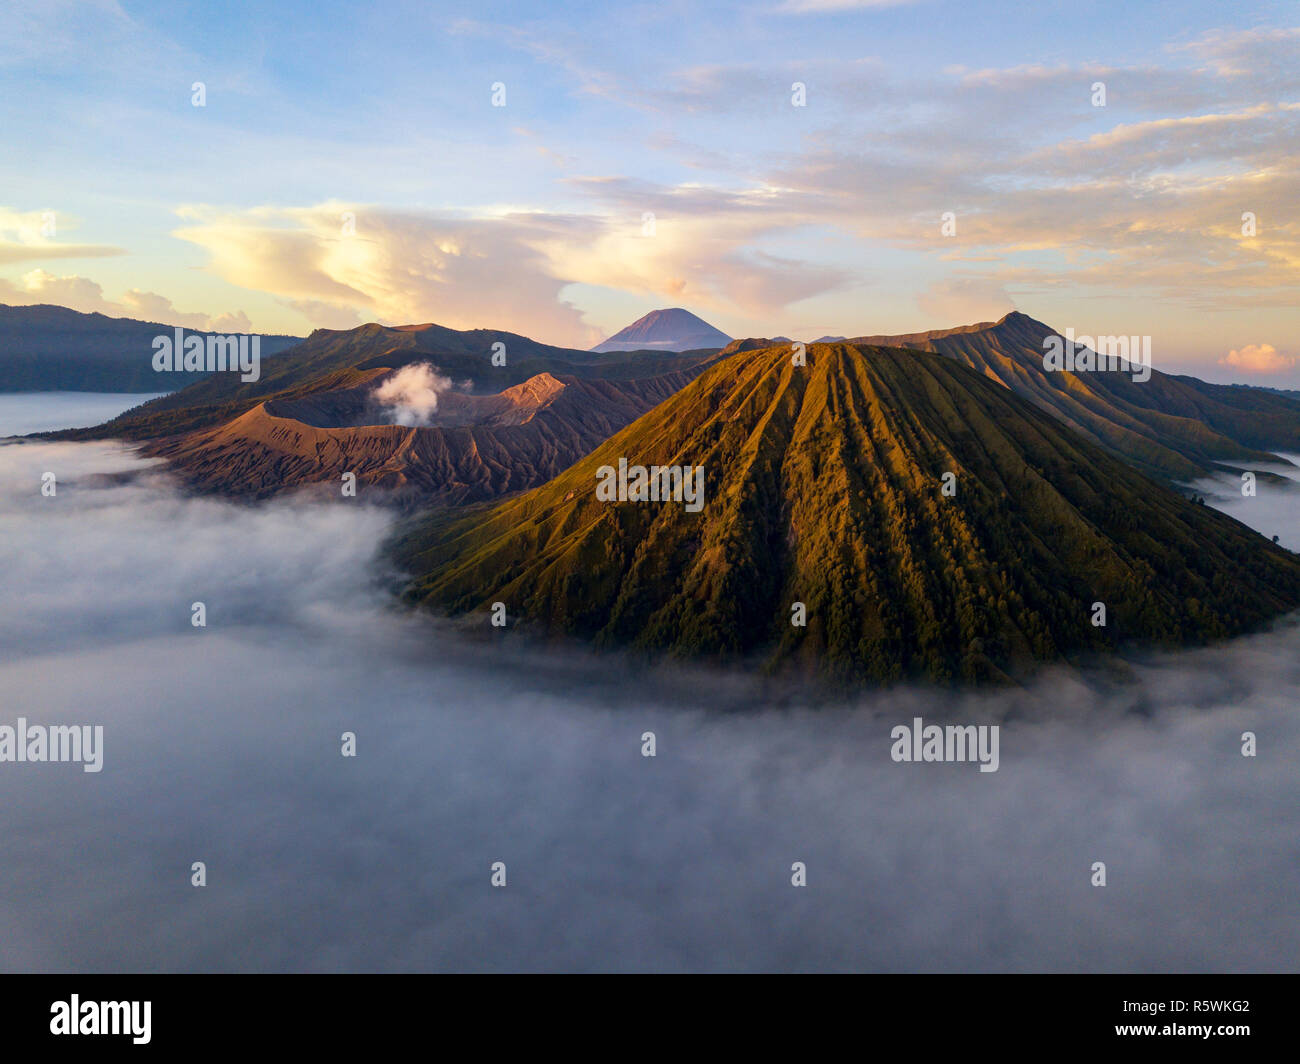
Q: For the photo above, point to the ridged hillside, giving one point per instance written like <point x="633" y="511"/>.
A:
<point x="823" y="486"/>
<point x="334" y="360"/>
<point x="1172" y="426"/>
<point x="475" y="447"/>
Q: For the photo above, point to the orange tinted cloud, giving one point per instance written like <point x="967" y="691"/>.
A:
<point x="1258" y="358"/>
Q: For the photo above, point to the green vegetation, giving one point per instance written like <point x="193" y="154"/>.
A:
<point x="1173" y="427"/>
<point x="823" y="486"/>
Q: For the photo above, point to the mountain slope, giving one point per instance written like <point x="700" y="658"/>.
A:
<point x="47" y="349"/>
<point x="823" y="486"/>
<point x="1172" y="426"/>
<point x="474" y="446"/>
<point x="673" y="329"/>
<point x="331" y="360"/>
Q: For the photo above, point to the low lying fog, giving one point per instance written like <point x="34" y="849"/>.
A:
<point x="1271" y="510"/>
<point x="26" y="412"/>
<point x="222" y="745"/>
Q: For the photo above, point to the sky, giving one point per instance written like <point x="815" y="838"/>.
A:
<point x="942" y="164"/>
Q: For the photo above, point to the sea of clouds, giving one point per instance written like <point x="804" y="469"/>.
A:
<point x="26" y="412"/>
<point x="222" y="745"/>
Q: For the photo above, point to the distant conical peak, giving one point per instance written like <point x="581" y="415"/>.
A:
<point x="670" y="328"/>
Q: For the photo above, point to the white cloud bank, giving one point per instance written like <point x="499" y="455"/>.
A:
<point x="222" y="745"/>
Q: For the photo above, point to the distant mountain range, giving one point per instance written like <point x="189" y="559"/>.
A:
<point x="1172" y="426"/>
<point x="47" y="348"/>
<point x="673" y="329"/>
<point x="1290" y="392"/>
<point x="823" y="487"/>
<point x="333" y="359"/>
<point x="312" y="416"/>
<point x="1176" y="427"/>
<point x="472" y="447"/>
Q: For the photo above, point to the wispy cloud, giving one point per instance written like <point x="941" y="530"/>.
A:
<point x="32" y="236"/>
<point x="83" y="294"/>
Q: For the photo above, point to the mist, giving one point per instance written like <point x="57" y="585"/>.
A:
<point x="222" y="745"/>
<point x="1273" y="507"/>
<point x="22" y="413"/>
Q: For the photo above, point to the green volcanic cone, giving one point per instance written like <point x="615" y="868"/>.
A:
<point x="823" y="486"/>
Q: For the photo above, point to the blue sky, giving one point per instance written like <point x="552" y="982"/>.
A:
<point x="768" y="218"/>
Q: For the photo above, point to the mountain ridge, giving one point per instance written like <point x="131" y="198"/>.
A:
<point x="46" y="347"/>
<point x="1174" y="427"/>
<point x="333" y="359"/>
<point x="824" y="487"/>
<point x="469" y="445"/>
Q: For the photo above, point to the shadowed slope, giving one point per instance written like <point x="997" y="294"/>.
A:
<point x="48" y="348"/>
<point x="1173" y="426"/>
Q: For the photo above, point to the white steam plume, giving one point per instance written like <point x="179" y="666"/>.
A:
<point x="411" y="394"/>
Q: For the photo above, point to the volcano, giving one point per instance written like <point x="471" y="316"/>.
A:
<point x="471" y="447"/>
<point x="872" y="515"/>
<point x="666" y="330"/>
<point x="500" y="424"/>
